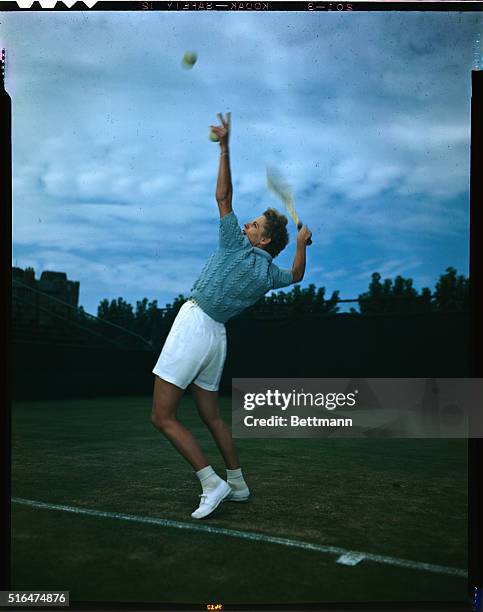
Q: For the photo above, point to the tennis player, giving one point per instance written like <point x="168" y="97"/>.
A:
<point x="237" y="275"/>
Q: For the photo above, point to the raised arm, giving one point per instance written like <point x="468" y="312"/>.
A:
<point x="298" y="266"/>
<point x="224" y="189"/>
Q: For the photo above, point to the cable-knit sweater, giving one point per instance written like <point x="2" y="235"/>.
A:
<point x="236" y="275"/>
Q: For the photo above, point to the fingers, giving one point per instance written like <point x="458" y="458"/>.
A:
<point x="219" y="131"/>
<point x="305" y="233"/>
<point x="224" y="122"/>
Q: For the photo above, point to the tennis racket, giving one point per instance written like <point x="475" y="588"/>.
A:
<point x="279" y="186"/>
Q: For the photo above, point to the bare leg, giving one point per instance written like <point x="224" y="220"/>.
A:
<point x="208" y="408"/>
<point x="165" y="400"/>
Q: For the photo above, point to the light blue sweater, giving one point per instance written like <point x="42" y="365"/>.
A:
<point x="236" y="275"/>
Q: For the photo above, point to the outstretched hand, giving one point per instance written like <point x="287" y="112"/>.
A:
<point x="223" y="130"/>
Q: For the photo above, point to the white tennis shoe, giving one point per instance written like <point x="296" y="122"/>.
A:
<point x="240" y="495"/>
<point x="211" y="500"/>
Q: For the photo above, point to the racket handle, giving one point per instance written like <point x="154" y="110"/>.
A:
<point x="299" y="227"/>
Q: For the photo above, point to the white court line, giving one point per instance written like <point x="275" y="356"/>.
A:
<point x="248" y="535"/>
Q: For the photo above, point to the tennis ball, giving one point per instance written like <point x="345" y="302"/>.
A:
<point x="213" y="137"/>
<point x="189" y="59"/>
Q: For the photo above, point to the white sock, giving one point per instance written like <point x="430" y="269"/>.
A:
<point x="235" y="479"/>
<point x="209" y="479"/>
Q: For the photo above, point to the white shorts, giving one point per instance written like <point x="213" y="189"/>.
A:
<point x="194" y="351"/>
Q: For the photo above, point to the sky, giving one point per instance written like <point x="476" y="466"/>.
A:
<point x="366" y="114"/>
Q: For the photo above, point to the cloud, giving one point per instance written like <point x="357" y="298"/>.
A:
<point x="389" y="268"/>
<point x="367" y="115"/>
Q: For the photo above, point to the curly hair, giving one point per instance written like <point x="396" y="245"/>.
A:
<point x="276" y="229"/>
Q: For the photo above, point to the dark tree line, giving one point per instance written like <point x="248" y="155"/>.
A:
<point x="451" y="293"/>
<point x="297" y="301"/>
<point x="147" y="319"/>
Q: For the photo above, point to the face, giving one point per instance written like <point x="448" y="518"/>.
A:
<point x="254" y="231"/>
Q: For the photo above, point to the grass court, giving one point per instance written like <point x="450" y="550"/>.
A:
<point x="402" y="499"/>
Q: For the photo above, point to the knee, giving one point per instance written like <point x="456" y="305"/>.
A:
<point x="155" y="420"/>
<point x="160" y="421"/>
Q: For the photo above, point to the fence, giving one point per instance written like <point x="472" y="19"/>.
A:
<point x="43" y="319"/>
<point x="342" y="345"/>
